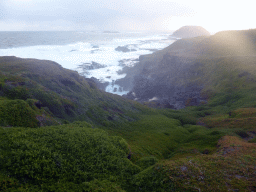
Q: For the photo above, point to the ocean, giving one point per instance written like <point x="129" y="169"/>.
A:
<point x="92" y="53"/>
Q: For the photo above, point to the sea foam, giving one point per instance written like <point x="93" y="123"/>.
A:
<point x="72" y="56"/>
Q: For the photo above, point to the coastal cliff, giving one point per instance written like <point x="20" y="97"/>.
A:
<point x="182" y="73"/>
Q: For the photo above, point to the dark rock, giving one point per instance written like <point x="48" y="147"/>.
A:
<point x="93" y="82"/>
<point x="91" y="66"/>
<point x="125" y="83"/>
<point x="21" y="83"/>
<point x="168" y="105"/>
<point x="38" y="104"/>
<point x="124" y="49"/>
<point x="129" y="95"/>
<point x="110" y="118"/>
<point x="206" y="151"/>
<point x="95" y="46"/>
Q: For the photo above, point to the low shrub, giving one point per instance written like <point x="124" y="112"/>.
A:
<point x="62" y="154"/>
<point x="146" y="162"/>
<point x="17" y="113"/>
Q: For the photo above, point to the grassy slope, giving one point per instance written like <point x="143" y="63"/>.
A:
<point x="63" y="94"/>
<point x="168" y="150"/>
<point x="227" y="62"/>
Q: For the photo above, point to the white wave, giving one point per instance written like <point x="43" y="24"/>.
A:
<point x="72" y="55"/>
<point x="115" y="89"/>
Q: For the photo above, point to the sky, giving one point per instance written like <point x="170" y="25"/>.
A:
<point x="121" y="15"/>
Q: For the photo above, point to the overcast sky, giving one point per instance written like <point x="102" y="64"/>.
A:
<point x="37" y="15"/>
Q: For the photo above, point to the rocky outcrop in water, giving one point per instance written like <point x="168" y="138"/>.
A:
<point x="124" y="49"/>
<point x="91" y="66"/>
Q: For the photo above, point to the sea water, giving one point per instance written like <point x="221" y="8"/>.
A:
<point x="74" y="49"/>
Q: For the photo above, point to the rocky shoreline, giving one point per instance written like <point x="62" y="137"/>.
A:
<point x="161" y="79"/>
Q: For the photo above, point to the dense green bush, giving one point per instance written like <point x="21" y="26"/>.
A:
<point x="146" y="162"/>
<point x="17" y="113"/>
<point x="152" y="179"/>
<point x="69" y="153"/>
<point x="17" y="92"/>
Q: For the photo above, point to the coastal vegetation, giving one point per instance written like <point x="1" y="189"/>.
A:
<point x="58" y="132"/>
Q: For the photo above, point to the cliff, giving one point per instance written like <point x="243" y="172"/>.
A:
<point x="189" y="68"/>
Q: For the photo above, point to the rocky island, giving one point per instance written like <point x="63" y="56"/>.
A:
<point x="190" y="31"/>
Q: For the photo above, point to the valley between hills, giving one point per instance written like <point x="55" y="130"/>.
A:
<point x="187" y="124"/>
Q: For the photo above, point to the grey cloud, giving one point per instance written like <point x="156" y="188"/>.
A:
<point x="100" y="13"/>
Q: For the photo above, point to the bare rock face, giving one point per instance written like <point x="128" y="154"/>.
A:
<point x="190" y="31"/>
<point x="167" y="75"/>
<point x="169" y="81"/>
<point x="95" y="83"/>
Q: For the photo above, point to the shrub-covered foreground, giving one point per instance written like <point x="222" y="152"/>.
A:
<point x="163" y="137"/>
<point x="231" y="168"/>
<point x="71" y="157"/>
<point x="78" y="157"/>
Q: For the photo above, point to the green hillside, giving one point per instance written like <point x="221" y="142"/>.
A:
<point x="56" y="94"/>
<point x="58" y="132"/>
